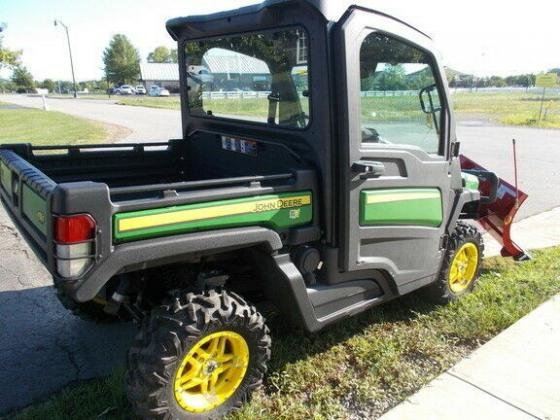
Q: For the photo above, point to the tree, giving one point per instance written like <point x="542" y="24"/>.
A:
<point x="64" y="86"/>
<point x="7" y="86"/>
<point x="122" y="61"/>
<point x="160" y="55"/>
<point x="173" y="55"/>
<point x="48" y="84"/>
<point x="497" y="81"/>
<point x="8" y="57"/>
<point x="23" y="79"/>
<point x="393" y="77"/>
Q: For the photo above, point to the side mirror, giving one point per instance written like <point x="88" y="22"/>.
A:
<point x="427" y="100"/>
<point x="428" y="106"/>
<point x="455" y="149"/>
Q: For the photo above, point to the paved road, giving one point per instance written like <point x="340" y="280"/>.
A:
<point x="42" y="348"/>
<point x="538" y="152"/>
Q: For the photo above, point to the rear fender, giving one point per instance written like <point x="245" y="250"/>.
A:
<point x="499" y="204"/>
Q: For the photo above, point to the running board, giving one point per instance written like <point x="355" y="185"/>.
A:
<point x="316" y="307"/>
<point x="333" y="301"/>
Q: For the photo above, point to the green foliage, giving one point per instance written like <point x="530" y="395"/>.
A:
<point x="275" y="49"/>
<point x="93" y="85"/>
<point x="162" y="55"/>
<point x="8" y="57"/>
<point x="461" y="80"/>
<point x="497" y="81"/>
<point x="64" y="86"/>
<point x="384" y="62"/>
<point x="48" y="84"/>
<point x="7" y="86"/>
<point x="393" y="77"/>
<point x="23" y="79"/>
<point x="122" y="61"/>
<point x="173" y="55"/>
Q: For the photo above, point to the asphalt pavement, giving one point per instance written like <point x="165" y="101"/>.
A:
<point x="43" y="347"/>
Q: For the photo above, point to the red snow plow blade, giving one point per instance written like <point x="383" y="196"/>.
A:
<point x="497" y="215"/>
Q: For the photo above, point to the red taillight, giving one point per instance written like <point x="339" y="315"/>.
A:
<point x="75" y="246"/>
<point x="74" y="229"/>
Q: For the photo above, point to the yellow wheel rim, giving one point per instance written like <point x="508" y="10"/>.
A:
<point x="211" y="371"/>
<point x="463" y="267"/>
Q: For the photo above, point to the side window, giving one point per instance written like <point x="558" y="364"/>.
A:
<point x="400" y="102"/>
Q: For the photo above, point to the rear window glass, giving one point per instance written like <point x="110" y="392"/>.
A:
<point x="260" y="77"/>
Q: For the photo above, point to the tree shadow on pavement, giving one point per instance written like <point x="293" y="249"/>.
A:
<point x="44" y="347"/>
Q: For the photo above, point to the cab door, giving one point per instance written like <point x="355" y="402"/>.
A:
<point x="394" y="147"/>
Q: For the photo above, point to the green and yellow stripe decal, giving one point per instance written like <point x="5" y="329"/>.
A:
<point x="278" y="211"/>
<point x="401" y="206"/>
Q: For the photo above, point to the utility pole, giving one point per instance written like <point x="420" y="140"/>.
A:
<point x="56" y="23"/>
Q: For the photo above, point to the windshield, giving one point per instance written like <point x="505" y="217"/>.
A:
<point x="259" y="77"/>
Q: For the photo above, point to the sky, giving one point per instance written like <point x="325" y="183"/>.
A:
<point x="484" y="37"/>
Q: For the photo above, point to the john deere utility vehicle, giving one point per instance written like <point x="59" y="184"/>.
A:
<point x="318" y="170"/>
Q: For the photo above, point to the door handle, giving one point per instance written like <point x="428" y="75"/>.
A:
<point x="368" y="169"/>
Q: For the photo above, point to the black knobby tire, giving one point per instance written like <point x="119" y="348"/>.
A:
<point x="170" y="332"/>
<point x="440" y="291"/>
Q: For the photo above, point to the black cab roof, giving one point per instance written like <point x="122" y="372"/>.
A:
<point x="331" y="10"/>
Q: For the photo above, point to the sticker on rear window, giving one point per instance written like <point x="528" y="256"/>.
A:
<point x="235" y="144"/>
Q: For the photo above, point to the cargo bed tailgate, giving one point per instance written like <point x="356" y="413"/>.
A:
<point x="25" y="192"/>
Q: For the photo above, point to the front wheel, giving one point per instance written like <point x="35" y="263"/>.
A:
<point x="461" y="267"/>
<point x="197" y="357"/>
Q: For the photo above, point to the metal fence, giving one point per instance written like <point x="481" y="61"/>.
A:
<point x="236" y="95"/>
<point x="265" y="94"/>
<point x="510" y="89"/>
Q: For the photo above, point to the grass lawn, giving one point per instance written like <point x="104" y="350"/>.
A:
<point x="171" y="102"/>
<point x="47" y="127"/>
<point x="361" y="367"/>
<point x="509" y="108"/>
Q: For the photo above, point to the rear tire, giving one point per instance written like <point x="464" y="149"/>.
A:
<point x="461" y="266"/>
<point x="168" y="338"/>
